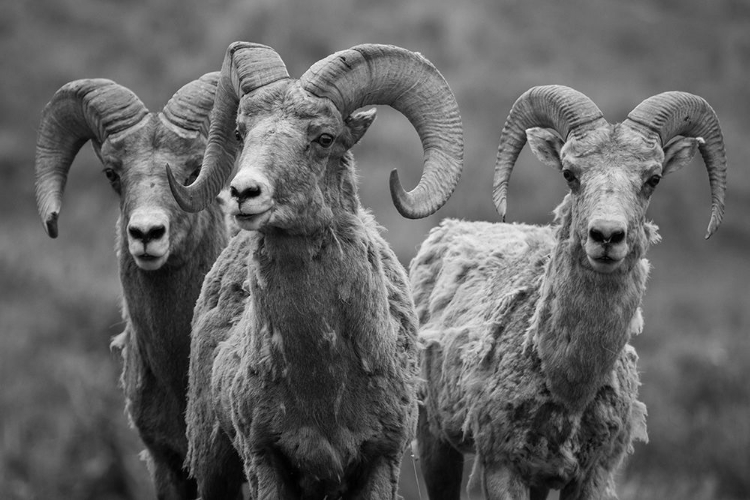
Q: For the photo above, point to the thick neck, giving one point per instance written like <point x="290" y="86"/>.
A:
<point x="583" y="321"/>
<point x="322" y="308"/>
<point x="159" y="304"/>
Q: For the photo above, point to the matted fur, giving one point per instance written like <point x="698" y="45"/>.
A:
<point x="477" y="289"/>
<point x="528" y="362"/>
<point x="354" y="359"/>
<point x="163" y="253"/>
<point x="157" y="309"/>
<point x="304" y="349"/>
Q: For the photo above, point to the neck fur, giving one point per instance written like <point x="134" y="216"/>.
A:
<point x="321" y="297"/>
<point x="159" y="304"/>
<point x="584" y="319"/>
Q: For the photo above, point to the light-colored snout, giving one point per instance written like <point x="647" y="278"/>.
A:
<point x="148" y="238"/>
<point x="252" y="199"/>
<point x="606" y="243"/>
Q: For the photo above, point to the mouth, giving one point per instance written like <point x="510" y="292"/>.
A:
<point x="149" y="262"/>
<point x="604" y="264"/>
<point x="252" y="222"/>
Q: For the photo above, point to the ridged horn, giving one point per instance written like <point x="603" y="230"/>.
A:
<point x="246" y="67"/>
<point x="190" y="107"/>
<point x="670" y="114"/>
<point x="561" y="108"/>
<point x="404" y="80"/>
<point x="81" y="110"/>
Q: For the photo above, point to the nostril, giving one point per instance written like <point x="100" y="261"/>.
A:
<point x="153" y="233"/>
<point x="252" y="191"/>
<point x="596" y="235"/>
<point x="136" y="233"/>
<point x="617" y="236"/>
<point x="606" y="234"/>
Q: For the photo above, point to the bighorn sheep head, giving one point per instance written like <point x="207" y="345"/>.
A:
<point x="295" y="134"/>
<point x="133" y="145"/>
<point x="612" y="170"/>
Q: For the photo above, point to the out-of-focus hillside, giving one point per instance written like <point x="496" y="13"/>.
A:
<point x="63" y="433"/>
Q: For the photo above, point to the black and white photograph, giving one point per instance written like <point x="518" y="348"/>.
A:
<point x="374" y="250"/>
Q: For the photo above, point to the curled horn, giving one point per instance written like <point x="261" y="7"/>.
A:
<point x="406" y="81"/>
<point x="560" y="108"/>
<point x="189" y="107"/>
<point x="246" y="67"/>
<point x="678" y="113"/>
<point x="81" y="110"/>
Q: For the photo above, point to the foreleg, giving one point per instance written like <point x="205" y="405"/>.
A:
<point x="269" y="477"/>
<point x="441" y="464"/>
<point x="381" y="482"/>
<point x="171" y="482"/>
<point x="587" y="490"/>
<point x="220" y="475"/>
<point x="500" y="483"/>
<point x="539" y="493"/>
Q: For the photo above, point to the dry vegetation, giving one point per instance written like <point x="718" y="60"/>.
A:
<point x="63" y="433"/>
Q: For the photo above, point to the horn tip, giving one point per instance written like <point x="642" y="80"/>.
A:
<point x="180" y="193"/>
<point x="712" y="227"/>
<point x="397" y="193"/>
<point x="715" y="222"/>
<point x="50" y="225"/>
<point x="501" y="205"/>
<point x="401" y="199"/>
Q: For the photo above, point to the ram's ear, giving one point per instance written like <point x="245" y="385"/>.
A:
<point x="358" y="123"/>
<point x="546" y="146"/>
<point x="679" y="153"/>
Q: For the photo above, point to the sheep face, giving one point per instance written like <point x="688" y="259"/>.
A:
<point x="294" y="171"/>
<point x="151" y="222"/>
<point x="612" y="173"/>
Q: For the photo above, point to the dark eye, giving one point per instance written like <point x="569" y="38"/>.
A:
<point x="568" y="175"/>
<point x="191" y="178"/>
<point x="653" y="180"/>
<point x="113" y="178"/>
<point x="237" y="135"/>
<point x="111" y="175"/>
<point x="325" y="140"/>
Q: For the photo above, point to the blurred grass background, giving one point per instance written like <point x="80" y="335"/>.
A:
<point x="63" y="433"/>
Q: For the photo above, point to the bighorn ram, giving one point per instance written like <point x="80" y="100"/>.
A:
<point x="304" y="351"/>
<point x="527" y="362"/>
<point x="163" y="252"/>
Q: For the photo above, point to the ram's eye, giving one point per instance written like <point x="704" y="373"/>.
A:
<point x="653" y="180"/>
<point x="114" y="179"/>
<point x="193" y="175"/>
<point x="568" y="175"/>
<point x="325" y="140"/>
<point x="237" y="135"/>
<point x="111" y="175"/>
